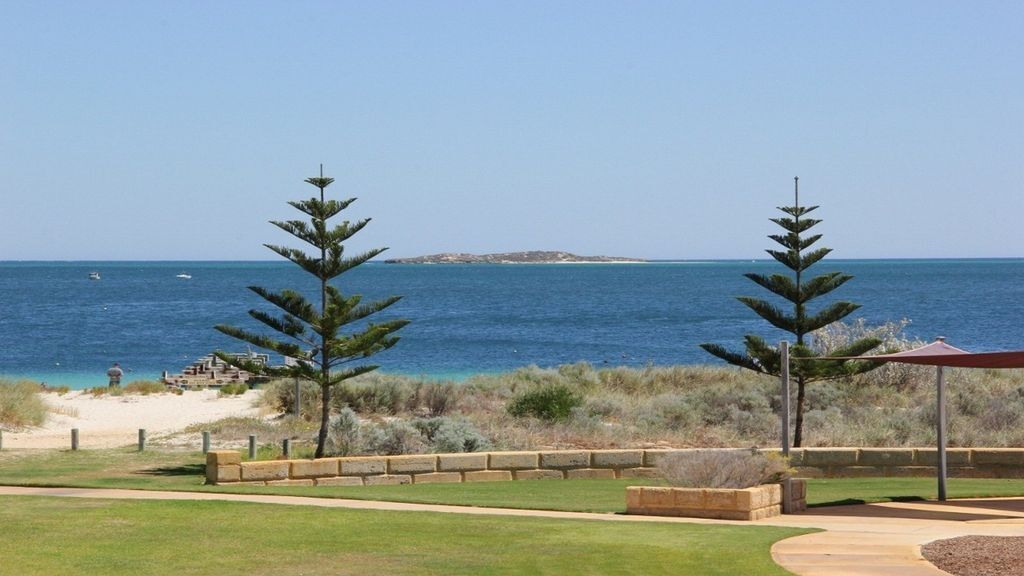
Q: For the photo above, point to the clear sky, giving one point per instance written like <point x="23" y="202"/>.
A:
<point x="175" y="130"/>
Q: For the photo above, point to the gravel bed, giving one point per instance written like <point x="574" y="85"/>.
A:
<point x="977" y="555"/>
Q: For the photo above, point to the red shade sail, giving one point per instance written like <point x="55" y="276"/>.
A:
<point x="941" y="354"/>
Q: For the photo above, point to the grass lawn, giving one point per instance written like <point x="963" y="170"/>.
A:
<point x="43" y="536"/>
<point x="165" y="470"/>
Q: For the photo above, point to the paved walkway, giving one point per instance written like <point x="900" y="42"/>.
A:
<point x="871" y="539"/>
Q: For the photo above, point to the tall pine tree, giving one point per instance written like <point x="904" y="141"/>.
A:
<point x="798" y="290"/>
<point x="313" y="331"/>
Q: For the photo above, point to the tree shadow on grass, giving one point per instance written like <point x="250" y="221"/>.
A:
<point x="183" y="470"/>
<point x="854" y="501"/>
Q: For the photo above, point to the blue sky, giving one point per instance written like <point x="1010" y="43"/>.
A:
<point x="175" y="130"/>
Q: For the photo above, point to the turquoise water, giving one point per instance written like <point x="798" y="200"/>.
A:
<point x="60" y="327"/>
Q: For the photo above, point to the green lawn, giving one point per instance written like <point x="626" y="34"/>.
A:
<point x="163" y="470"/>
<point x="44" y="536"/>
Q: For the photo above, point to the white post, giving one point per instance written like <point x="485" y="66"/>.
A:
<point x="941" y="425"/>
<point x="784" y="353"/>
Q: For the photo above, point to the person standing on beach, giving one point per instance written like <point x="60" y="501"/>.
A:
<point x="115" y="374"/>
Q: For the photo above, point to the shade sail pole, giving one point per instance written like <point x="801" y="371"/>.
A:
<point x="784" y="391"/>
<point x="941" y="401"/>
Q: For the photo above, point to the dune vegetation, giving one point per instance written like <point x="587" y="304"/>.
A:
<point x="580" y="405"/>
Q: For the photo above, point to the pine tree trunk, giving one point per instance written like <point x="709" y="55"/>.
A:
<point x="798" y="433"/>
<point x="325" y="415"/>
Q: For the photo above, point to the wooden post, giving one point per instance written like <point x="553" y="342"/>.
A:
<point x="74" y="438"/>
<point x="286" y="447"/>
<point x="252" y="446"/>
<point x="142" y="439"/>
<point x="206" y="442"/>
<point x="1" y="439"/>
<point x="941" y="432"/>
<point x="784" y="377"/>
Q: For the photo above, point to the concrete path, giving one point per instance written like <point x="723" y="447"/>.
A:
<point x="871" y="539"/>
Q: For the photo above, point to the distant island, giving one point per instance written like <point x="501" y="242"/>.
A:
<point x="533" y="257"/>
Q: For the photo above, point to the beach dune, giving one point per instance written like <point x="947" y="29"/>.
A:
<point x="113" y="421"/>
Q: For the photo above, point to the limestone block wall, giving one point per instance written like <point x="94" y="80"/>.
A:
<point x="754" y="503"/>
<point x="226" y="467"/>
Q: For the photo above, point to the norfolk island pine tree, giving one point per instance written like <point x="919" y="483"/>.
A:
<point x="760" y="356"/>
<point x="323" y="353"/>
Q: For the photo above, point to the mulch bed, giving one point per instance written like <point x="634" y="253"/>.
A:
<point x="978" y="555"/>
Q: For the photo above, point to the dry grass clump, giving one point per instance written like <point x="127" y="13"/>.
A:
<point x="134" y="388"/>
<point x="21" y="405"/>
<point x="723" y="469"/>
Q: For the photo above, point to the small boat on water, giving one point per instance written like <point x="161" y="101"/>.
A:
<point x="184" y="276"/>
<point x="94" y="275"/>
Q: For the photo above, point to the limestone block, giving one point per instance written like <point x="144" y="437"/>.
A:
<point x="886" y="457"/>
<point x="590" y="474"/>
<point x="514" y="460"/>
<point x="639" y="473"/>
<point x="633" y="499"/>
<point x="322" y="468"/>
<point x="799" y="488"/>
<point x="223" y="457"/>
<point x="720" y="499"/>
<point x="461" y="462"/>
<point x="954" y="457"/>
<point x="437" y="478"/>
<point x="340" y="481"/>
<point x="223" y="474"/>
<point x="272" y="470"/>
<point x="412" y="464"/>
<point x="488" y="475"/>
<point x="305" y="482"/>
<point x="652" y="457"/>
<point x="751" y="499"/>
<point x="565" y="459"/>
<point x="363" y="466"/>
<point x="656" y="497"/>
<point x="822" y="457"/>
<point x="388" y="480"/>
<point x="997" y="456"/>
<point x="854" y="472"/>
<point x="617" y="458"/>
<point x="687" y="497"/>
<point x="538" y="474"/>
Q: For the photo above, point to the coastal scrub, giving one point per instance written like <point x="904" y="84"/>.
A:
<point x="21" y="404"/>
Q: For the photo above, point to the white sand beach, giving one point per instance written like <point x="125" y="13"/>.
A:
<point x="112" y="421"/>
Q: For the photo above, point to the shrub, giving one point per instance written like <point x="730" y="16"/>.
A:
<point x="280" y="396"/>
<point x="233" y="389"/>
<point x="391" y="438"/>
<point x="551" y="402"/>
<point x="21" y="404"/>
<point x="438" y="398"/>
<point x="374" y="396"/>
<point x="452" y="435"/>
<point x="343" y="433"/>
<point x="723" y="469"/>
<point x="145" y="387"/>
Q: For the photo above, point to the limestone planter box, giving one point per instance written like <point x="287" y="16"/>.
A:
<point x="721" y="503"/>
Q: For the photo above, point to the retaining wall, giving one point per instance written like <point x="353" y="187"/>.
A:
<point x="226" y="467"/>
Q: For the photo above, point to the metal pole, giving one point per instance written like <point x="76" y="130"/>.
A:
<point x="298" y="396"/>
<point x="142" y="439"/>
<point x="941" y="393"/>
<point x="206" y="442"/>
<point x="74" y="438"/>
<point x="286" y="447"/>
<point x="252" y="446"/>
<point x="784" y="353"/>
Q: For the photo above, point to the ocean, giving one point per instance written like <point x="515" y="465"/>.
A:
<point x="58" y="326"/>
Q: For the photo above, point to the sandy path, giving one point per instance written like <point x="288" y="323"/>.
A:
<point x="112" y="421"/>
